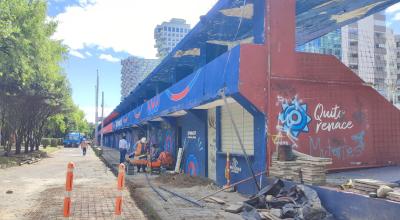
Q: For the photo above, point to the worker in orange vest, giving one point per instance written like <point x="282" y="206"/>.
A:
<point x="140" y="152"/>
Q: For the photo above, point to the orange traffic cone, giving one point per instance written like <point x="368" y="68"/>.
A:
<point x="68" y="189"/>
<point x="120" y="187"/>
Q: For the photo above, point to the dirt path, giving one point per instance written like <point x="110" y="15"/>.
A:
<point x="38" y="189"/>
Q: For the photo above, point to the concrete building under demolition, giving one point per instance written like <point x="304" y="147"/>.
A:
<point x="240" y="61"/>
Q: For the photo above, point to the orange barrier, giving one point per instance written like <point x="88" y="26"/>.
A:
<point x="68" y="189"/>
<point x="120" y="186"/>
<point x="227" y="171"/>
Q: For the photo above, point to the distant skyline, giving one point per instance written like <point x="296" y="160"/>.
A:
<point x="99" y="33"/>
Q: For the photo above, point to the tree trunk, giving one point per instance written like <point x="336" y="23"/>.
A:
<point x="18" y="142"/>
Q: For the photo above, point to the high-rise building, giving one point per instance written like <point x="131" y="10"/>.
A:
<point x="392" y="72"/>
<point x="330" y="43"/>
<point x="133" y="71"/>
<point x="397" y="56"/>
<point x="168" y="35"/>
<point x="364" y="50"/>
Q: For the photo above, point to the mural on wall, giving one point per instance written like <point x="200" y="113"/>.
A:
<point x="330" y="119"/>
<point x="234" y="166"/>
<point x="292" y="120"/>
<point x="153" y="105"/>
<point x="138" y="113"/>
<point x="169" y="141"/>
<point x="192" y="165"/>
<point x="321" y="129"/>
<point x="177" y="96"/>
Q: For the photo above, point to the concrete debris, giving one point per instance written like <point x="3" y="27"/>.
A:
<point x="394" y="196"/>
<point x="276" y="212"/>
<point x="305" y="168"/>
<point x="370" y="185"/>
<point x="383" y="191"/>
<point x="276" y="202"/>
<point x="234" y="208"/>
<point x="217" y="200"/>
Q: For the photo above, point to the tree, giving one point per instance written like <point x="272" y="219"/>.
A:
<point x="33" y="89"/>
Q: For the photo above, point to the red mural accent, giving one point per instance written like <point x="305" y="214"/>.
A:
<point x="180" y="95"/>
<point x="350" y="122"/>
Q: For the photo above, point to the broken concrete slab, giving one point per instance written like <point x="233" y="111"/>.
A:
<point x="234" y="208"/>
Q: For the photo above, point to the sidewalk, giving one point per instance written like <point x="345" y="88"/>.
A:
<point x="38" y="190"/>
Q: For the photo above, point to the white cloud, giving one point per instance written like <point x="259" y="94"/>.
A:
<point x="88" y="54"/>
<point x="397" y="17"/>
<point x="91" y="110"/>
<point x="86" y="2"/>
<point x="77" y="54"/>
<point x="109" y="58"/>
<point x="123" y="25"/>
<point x="393" y="8"/>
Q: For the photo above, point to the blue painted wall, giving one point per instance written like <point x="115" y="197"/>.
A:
<point x="257" y="161"/>
<point x="190" y="92"/>
<point x="162" y="134"/>
<point x="194" y="140"/>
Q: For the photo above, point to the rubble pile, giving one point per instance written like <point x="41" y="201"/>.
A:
<point x="376" y="188"/>
<point x="304" y="168"/>
<point x="276" y="202"/>
<point x="370" y="185"/>
<point x="394" y="196"/>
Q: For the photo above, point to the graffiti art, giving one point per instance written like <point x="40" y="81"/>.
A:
<point x="192" y="165"/>
<point x="153" y="105"/>
<point x="294" y="117"/>
<point x="169" y="141"/>
<point x="138" y="113"/>
<point x="177" y="96"/>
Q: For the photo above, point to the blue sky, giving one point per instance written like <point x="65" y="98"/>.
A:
<point x="99" y="33"/>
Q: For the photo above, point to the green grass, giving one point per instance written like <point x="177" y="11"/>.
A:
<point x="9" y="161"/>
<point x="14" y="160"/>
<point x="49" y="150"/>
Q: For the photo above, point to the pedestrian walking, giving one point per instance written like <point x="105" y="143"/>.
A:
<point x="84" y="146"/>
<point x="123" y="147"/>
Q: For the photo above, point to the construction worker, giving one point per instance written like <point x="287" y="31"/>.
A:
<point x="140" y="151"/>
<point x="155" y="152"/>
<point x="123" y="147"/>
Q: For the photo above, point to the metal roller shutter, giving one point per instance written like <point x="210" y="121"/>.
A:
<point x="245" y="124"/>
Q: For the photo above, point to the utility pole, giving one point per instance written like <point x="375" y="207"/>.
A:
<point x="102" y="119"/>
<point x="96" y="133"/>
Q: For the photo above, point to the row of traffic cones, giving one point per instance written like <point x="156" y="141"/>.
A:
<point x="69" y="184"/>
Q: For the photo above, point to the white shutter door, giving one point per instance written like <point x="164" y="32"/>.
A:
<point x="245" y="124"/>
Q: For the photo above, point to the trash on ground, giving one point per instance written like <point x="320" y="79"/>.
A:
<point x="274" y="201"/>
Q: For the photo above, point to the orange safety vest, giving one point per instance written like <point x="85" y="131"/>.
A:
<point x="139" y="149"/>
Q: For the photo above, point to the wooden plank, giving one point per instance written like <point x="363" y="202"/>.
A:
<point x="217" y="200"/>
<point x="375" y="183"/>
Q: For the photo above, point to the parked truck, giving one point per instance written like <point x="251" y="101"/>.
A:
<point x="73" y="139"/>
